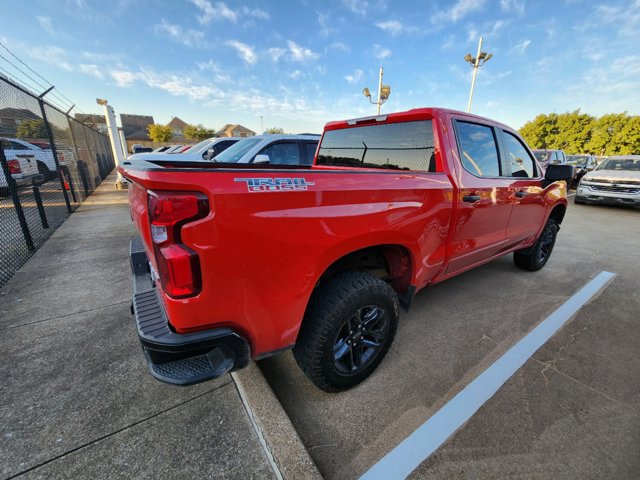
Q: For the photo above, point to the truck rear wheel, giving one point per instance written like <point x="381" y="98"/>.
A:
<point x="347" y="330"/>
<point x="539" y="254"/>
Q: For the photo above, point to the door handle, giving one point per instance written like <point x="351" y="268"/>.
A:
<point x="521" y="194"/>
<point x="471" y="198"/>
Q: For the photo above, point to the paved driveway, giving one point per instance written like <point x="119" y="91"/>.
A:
<point x="573" y="409"/>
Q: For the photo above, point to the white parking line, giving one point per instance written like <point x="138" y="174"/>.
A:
<point x="571" y="194"/>
<point x="418" y="446"/>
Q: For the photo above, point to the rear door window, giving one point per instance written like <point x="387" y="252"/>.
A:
<point x="394" y="146"/>
<point x="520" y="162"/>
<point x="310" y="148"/>
<point x="18" y="146"/>
<point x="478" y="149"/>
<point x="283" y="153"/>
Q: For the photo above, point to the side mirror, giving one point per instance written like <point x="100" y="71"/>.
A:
<point x="261" y="159"/>
<point x="556" y="173"/>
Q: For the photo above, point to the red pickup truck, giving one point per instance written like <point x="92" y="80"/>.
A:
<point x="240" y="261"/>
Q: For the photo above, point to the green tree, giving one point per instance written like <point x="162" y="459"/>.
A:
<point x="573" y="132"/>
<point x="541" y="131"/>
<point x="32" y="129"/>
<point x="198" y="132"/>
<point x="274" y="130"/>
<point x="614" y="134"/>
<point x="160" y="133"/>
<point x="630" y="134"/>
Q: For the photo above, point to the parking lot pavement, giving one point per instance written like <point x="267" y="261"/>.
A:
<point x="76" y="398"/>
<point x="573" y="409"/>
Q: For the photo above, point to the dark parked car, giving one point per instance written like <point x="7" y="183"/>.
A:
<point x="582" y="164"/>
<point x="137" y="149"/>
<point x="550" y="157"/>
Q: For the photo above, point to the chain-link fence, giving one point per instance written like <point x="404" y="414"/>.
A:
<point x="49" y="164"/>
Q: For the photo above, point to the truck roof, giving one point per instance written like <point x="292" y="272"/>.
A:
<point x="406" y="116"/>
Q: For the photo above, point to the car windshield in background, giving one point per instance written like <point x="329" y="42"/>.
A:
<point x="198" y="146"/>
<point x="235" y="152"/>
<point x="621" y="164"/>
<point x="577" y="159"/>
<point x="542" y="156"/>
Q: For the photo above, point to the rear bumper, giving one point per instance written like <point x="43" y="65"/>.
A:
<point x="179" y="359"/>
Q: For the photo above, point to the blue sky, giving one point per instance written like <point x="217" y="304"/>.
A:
<point x="302" y="63"/>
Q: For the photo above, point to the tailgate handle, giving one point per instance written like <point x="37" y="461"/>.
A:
<point x="471" y="198"/>
<point x="521" y="194"/>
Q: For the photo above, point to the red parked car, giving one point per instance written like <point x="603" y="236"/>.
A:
<point x="239" y="261"/>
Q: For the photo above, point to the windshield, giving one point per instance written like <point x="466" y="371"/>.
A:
<point x="542" y="156"/>
<point x="235" y="152"/>
<point x="577" y="159"/>
<point x="198" y="146"/>
<point x="621" y="164"/>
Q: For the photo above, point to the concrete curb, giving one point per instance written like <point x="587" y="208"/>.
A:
<point x="273" y="426"/>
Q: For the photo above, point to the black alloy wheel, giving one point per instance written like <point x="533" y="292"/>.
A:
<point x="360" y="339"/>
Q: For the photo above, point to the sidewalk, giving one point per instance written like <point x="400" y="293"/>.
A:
<point x="76" y="398"/>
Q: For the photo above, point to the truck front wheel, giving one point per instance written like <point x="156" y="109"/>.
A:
<point x="347" y="330"/>
<point x="537" y="256"/>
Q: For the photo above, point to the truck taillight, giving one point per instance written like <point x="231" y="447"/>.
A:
<point x="14" y="167"/>
<point x="178" y="265"/>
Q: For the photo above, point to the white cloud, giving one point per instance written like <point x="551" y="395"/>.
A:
<point x="189" y="37"/>
<point x="380" y="52"/>
<point x="245" y="52"/>
<point x="45" y="23"/>
<point x="359" y="7"/>
<point x="255" y="13"/>
<point x="293" y="53"/>
<point x="51" y="55"/>
<point x="521" y="47"/>
<point x="458" y="11"/>
<point x="220" y="75"/>
<point x="496" y="28"/>
<point x="295" y="75"/>
<point x="395" y="28"/>
<point x="90" y="69"/>
<point x="472" y="34"/>
<point x="392" y="26"/>
<point x="276" y="53"/>
<point x="625" y="18"/>
<point x="123" y="78"/>
<point x="300" y="54"/>
<point x="513" y="6"/>
<point x="340" y="46"/>
<point x="218" y="12"/>
<point x="324" y="21"/>
<point x="355" y="77"/>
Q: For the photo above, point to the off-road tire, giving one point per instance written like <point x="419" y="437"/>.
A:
<point x="539" y="254"/>
<point x="336" y="301"/>
<point x="578" y="202"/>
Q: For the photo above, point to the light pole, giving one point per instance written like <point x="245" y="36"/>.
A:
<point x="383" y="92"/>
<point x="116" y="145"/>
<point x="261" y="125"/>
<point x="480" y="59"/>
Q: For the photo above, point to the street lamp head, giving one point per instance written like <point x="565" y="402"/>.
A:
<point x="385" y="91"/>
<point x="469" y="58"/>
<point x="488" y="57"/>
<point x="366" y="92"/>
<point x="101" y="101"/>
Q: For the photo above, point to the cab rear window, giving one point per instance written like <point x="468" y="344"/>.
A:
<point x="394" y="146"/>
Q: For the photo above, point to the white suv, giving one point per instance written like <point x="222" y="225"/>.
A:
<point x="276" y="149"/>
